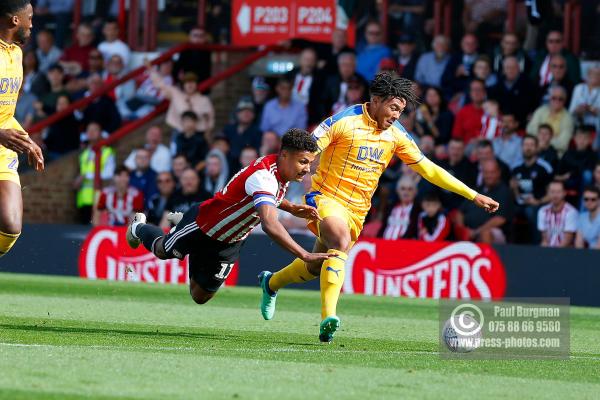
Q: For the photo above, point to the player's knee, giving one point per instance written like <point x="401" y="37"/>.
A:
<point x="339" y="243"/>
<point x="199" y="295"/>
<point x="11" y="224"/>
<point x="7" y="241"/>
<point x="159" y="249"/>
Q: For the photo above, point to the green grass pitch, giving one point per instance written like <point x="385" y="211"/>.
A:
<point x="67" y="338"/>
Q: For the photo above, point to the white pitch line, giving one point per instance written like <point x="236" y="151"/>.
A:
<point x="285" y="350"/>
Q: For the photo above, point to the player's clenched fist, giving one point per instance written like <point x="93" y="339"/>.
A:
<point x="488" y="204"/>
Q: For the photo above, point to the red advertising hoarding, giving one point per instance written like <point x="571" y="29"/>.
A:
<point x="264" y="22"/>
<point x="421" y="269"/>
<point x="375" y="267"/>
<point x="106" y="255"/>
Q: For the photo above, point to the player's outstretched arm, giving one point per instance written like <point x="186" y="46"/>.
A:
<point x="300" y="210"/>
<point x="273" y="228"/>
<point x="442" y="178"/>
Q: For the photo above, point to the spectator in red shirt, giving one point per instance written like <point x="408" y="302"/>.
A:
<point x="120" y="201"/>
<point x="75" y="58"/>
<point x="433" y="225"/>
<point x="467" y="125"/>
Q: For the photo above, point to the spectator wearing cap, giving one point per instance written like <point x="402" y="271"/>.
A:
<point x="541" y="72"/>
<point x="260" y="94"/>
<point x="585" y="104"/>
<point x="189" y="141"/>
<point x="431" y="65"/>
<point x="556" y="115"/>
<point x="283" y="112"/>
<point x="244" y="131"/>
<point x="308" y="84"/>
<point x="339" y="45"/>
<point x="337" y="85"/>
<point x="112" y="45"/>
<point x="197" y="61"/>
<point x="510" y="46"/>
<point x="47" y="53"/>
<point x="457" y="74"/>
<point x="588" y="226"/>
<point x="387" y="65"/>
<point x="160" y="155"/>
<point x="406" y="56"/>
<point x="187" y="98"/>
<point x="75" y="58"/>
<point x="513" y="91"/>
<point x="369" y="58"/>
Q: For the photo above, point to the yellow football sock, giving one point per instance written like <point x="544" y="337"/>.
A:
<point x="296" y="272"/>
<point x="333" y="272"/>
<point x="7" y="240"/>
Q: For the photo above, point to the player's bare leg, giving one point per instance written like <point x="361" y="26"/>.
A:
<point x="11" y="215"/>
<point x="199" y="295"/>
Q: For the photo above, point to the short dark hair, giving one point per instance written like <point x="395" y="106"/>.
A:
<point x="588" y="129"/>
<point x="484" y="143"/>
<point x="546" y="126"/>
<point x="296" y="139"/>
<point x="121" y="169"/>
<point x="285" y="80"/>
<point x="190" y="115"/>
<point x="592" y="189"/>
<point x="386" y="85"/>
<point x="534" y="138"/>
<point x="432" y="197"/>
<point x="11" y="7"/>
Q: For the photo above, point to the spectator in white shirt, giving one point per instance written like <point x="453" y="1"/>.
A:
<point x="557" y="221"/>
<point x="585" y="103"/>
<point x="588" y="228"/>
<point x="112" y="44"/>
<point x="160" y="159"/>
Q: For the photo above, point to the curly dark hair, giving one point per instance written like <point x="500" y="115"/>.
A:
<point x="296" y="139"/>
<point x="386" y="85"/>
<point x="11" y="7"/>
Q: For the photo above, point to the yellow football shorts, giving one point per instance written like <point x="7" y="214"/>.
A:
<point x="9" y="163"/>
<point x="329" y="207"/>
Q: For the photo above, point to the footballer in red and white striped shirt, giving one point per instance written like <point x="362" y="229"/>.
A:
<point x="212" y="232"/>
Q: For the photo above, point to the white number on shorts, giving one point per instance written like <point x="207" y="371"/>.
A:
<point x="226" y="269"/>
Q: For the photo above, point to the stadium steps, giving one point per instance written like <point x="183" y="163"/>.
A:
<point x="49" y="197"/>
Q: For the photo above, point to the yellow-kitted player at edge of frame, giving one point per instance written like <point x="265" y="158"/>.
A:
<point x="355" y="146"/>
<point x="15" y="29"/>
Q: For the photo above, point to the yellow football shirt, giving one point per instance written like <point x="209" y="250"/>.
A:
<point x="354" y="154"/>
<point x="11" y="77"/>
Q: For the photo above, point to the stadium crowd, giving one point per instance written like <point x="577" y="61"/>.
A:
<point x="519" y="125"/>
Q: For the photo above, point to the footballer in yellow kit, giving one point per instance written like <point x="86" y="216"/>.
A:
<point x="15" y="29"/>
<point x="355" y="145"/>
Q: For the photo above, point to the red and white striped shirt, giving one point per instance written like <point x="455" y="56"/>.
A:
<point x="556" y="224"/>
<point x="490" y="127"/>
<point x="398" y="222"/>
<point x="232" y="213"/>
<point x="120" y="208"/>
